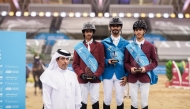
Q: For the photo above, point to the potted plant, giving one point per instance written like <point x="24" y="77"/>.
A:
<point x="181" y="65"/>
<point x="32" y="51"/>
<point x="168" y="73"/>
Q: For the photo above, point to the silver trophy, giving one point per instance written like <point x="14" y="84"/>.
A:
<point x="113" y="54"/>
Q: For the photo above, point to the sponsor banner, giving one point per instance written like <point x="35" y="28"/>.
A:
<point x="176" y="78"/>
<point x="12" y="70"/>
<point x="153" y="37"/>
<point x="51" y="37"/>
<point x="186" y="76"/>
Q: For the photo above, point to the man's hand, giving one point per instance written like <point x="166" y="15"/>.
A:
<point x="110" y="61"/>
<point x="123" y="81"/>
<point x="143" y="70"/>
<point x="133" y="70"/>
<point x="83" y="76"/>
<point x="94" y="77"/>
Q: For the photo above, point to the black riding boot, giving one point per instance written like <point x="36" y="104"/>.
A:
<point x="95" y="105"/>
<point x="106" y="106"/>
<point x="145" y="107"/>
<point x="133" y="107"/>
<point x="83" y="106"/>
<point x="121" y="106"/>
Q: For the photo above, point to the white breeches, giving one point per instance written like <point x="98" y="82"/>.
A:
<point x="144" y="92"/>
<point x="109" y="84"/>
<point x="93" y="89"/>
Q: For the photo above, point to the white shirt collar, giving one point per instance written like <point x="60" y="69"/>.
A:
<point x="115" y="39"/>
<point x="139" y="43"/>
<point x="89" y="41"/>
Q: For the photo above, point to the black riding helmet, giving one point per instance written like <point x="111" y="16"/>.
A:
<point x="116" y="20"/>
<point x="88" y="25"/>
<point x="140" y="24"/>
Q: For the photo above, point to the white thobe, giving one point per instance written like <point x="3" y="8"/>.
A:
<point x="61" y="89"/>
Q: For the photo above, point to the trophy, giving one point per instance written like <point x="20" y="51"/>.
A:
<point x="88" y="72"/>
<point x="137" y="69"/>
<point x="113" y="54"/>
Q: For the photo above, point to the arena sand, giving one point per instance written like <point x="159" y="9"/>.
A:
<point x="160" y="97"/>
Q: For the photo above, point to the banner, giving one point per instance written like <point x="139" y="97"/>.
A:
<point x="186" y="76"/>
<point x="12" y="70"/>
<point x="176" y="78"/>
<point x="153" y="37"/>
<point x="51" y="37"/>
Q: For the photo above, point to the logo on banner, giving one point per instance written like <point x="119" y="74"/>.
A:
<point x="8" y="71"/>
<point x="11" y="95"/>
<point x="11" y="66"/>
<point x="1" y="77"/>
<point x="11" y="71"/>
<point x="8" y="106"/>
<point x="11" y="101"/>
<point x="1" y="82"/>
<point x="12" y="106"/>
<point x="11" y="88"/>
<point x="11" y="83"/>
<point x="11" y="78"/>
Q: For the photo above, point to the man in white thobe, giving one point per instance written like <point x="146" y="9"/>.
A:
<point x="61" y="89"/>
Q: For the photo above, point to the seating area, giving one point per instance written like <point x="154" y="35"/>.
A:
<point x="173" y="50"/>
<point x="66" y="45"/>
<point x="38" y="46"/>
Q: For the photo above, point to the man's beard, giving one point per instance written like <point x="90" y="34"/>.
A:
<point x="115" y="32"/>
